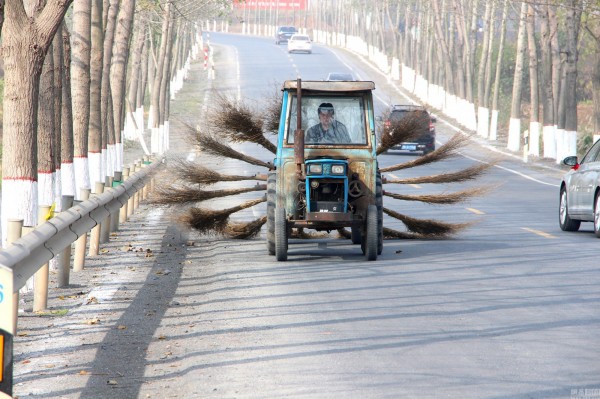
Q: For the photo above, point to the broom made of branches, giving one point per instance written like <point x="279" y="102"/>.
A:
<point x="237" y="122"/>
<point x="413" y="125"/>
<point x="171" y="195"/>
<point x="446" y="151"/>
<point x="214" y="221"/>
<point x="192" y="172"/>
<point x="426" y="228"/>
<point x="466" y="174"/>
<point x="244" y="230"/>
<point x="444" y="198"/>
<point x="215" y="147"/>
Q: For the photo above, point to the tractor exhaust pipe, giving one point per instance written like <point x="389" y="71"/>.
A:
<point x="299" y="133"/>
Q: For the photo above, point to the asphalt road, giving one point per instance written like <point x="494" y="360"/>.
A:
<point x="506" y="309"/>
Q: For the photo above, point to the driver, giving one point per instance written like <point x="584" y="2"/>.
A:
<point x="328" y="130"/>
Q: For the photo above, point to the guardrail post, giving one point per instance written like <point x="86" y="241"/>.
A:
<point x="40" y="278"/>
<point x="105" y="226"/>
<point x="13" y="233"/>
<point x="114" y="218"/>
<point x="64" y="258"/>
<point x="136" y="197"/>
<point x="123" y="210"/>
<point x="80" y="244"/>
<point x="95" y="233"/>
<point x="131" y="201"/>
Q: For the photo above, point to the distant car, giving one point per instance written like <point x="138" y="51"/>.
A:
<point x="425" y="143"/>
<point x="299" y="43"/>
<point x="580" y="192"/>
<point x="340" y="76"/>
<point x="283" y="34"/>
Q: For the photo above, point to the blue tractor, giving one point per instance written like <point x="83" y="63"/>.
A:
<point x="326" y="175"/>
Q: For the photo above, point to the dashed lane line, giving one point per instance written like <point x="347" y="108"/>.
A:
<point x="539" y="233"/>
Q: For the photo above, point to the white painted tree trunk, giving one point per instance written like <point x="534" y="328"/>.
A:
<point x="483" y="121"/>
<point x="549" y="141"/>
<point x="21" y="204"/>
<point x="514" y="134"/>
<point x="111" y="159"/>
<point x="82" y="175"/>
<point x="561" y="143"/>
<point x="68" y="179"/>
<point x="95" y="165"/>
<point x="534" y="138"/>
<point x="494" y="125"/>
<point x="154" y="141"/>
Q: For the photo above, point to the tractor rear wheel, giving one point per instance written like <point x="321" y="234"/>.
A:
<point x="372" y="230"/>
<point x="281" y="235"/>
<point x="379" y="203"/>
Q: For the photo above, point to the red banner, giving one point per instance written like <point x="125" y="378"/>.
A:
<point x="283" y="5"/>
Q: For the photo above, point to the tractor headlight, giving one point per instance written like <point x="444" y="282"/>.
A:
<point x="337" y="169"/>
<point x="315" y="168"/>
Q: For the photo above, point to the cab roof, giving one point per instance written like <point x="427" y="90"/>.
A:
<point x="333" y="86"/>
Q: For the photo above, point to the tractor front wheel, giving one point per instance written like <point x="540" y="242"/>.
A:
<point x="281" y="235"/>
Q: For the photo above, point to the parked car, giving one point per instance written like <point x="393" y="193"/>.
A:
<point x="340" y="76"/>
<point x="299" y="43"/>
<point x="425" y="143"/>
<point x="580" y="192"/>
<point x="283" y="34"/>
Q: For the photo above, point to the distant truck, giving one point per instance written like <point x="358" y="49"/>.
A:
<point x="326" y="173"/>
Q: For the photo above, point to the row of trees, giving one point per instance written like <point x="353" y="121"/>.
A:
<point x="462" y="46"/>
<point x="535" y="58"/>
<point x="72" y="70"/>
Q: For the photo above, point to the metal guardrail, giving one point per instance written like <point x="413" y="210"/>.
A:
<point x="26" y="255"/>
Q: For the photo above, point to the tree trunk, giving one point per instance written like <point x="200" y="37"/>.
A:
<point x="534" y="115"/>
<point x="132" y="124"/>
<point x="118" y="73"/>
<point x="156" y="86"/>
<point x="573" y="22"/>
<point x="546" y="92"/>
<point x="108" y="133"/>
<point x="95" y="128"/>
<point x="46" y="144"/>
<point x="594" y="32"/>
<point x="67" y="173"/>
<point x="80" y="90"/>
<point x="514" y="132"/>
<point x="496" y="95"/>
<point x="58" y="85"/>
<point x="25" y="40"/>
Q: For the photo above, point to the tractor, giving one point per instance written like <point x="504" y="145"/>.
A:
<point x="326" y="175"/>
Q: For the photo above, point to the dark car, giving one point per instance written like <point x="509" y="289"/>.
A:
<point x="580" y="192"/>
<point x="340" y="76"/>
<point x="284" y="33"/>
<point x="425" y="143"/>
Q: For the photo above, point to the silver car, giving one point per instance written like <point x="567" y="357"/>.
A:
<point x="580" y="192"/>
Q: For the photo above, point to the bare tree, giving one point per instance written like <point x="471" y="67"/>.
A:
<point x="25" y="41"/>
<point x="80" y="90"/>
<point x="514" y="132"/>
<point x="95" y="125"/>
<point x="534" y="113"/>
<point x="118" y="73"/>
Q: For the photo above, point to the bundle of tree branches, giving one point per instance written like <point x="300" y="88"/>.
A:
<point x="411" y="126"/>
<point x="236" y="122"/>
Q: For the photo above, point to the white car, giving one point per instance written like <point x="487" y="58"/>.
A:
<point x="580" y="192"/>
<point x="299" y="43"/>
